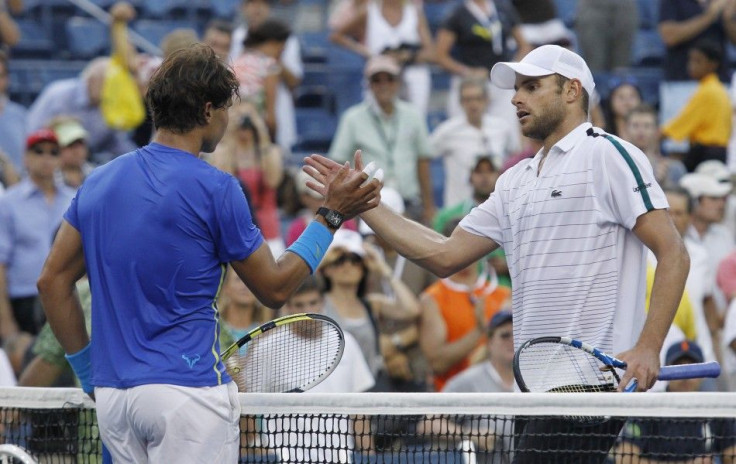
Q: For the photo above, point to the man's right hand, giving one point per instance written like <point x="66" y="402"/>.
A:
<point x="343" y="187"/>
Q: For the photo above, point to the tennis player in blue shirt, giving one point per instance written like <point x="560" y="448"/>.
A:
<point x="154" y="230"/>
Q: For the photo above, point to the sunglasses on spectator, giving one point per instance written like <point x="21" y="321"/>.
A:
<point x="377" y="79"/>
<point x="351" y="258"/>
<point x="40" y="151"/>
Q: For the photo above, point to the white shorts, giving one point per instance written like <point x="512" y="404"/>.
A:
<point x="168" y="423"/>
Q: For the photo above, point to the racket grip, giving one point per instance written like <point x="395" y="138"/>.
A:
<point x="690" y="371"/>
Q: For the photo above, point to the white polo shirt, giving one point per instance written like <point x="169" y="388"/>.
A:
<point x="577" y="268"/>
<point x="460" y="144"/>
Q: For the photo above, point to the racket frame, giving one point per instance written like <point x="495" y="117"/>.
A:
<point x="685" y="371"/>
<point x="282" y="321"/>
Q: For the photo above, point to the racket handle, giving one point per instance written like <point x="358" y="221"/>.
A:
<point x="690" y="371"/>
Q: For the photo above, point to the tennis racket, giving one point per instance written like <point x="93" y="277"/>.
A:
<point x="289" y="354"/>
<point x="562" y="364"/>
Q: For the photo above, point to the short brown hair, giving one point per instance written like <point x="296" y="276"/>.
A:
<point x="184" y="83"/>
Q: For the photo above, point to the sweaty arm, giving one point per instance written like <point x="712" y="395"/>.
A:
<point x="656" y="230"/>
<point x="57" y="289"/>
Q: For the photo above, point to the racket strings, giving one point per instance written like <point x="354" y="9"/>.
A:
<point x="291" y="357"/>
<point x="553" y="367"/>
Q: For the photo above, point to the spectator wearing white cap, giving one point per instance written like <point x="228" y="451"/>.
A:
<point x="707" y="226"/>
<point x="74" y="154"/>
<point x="575" y="222"/>
<point x="345" y="268"/>
<point x="719" y="171"/>
<point x="393" y="134"/>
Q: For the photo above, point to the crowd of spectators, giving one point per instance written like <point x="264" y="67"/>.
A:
<point x="414" y="332"/>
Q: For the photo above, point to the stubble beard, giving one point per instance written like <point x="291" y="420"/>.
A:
<point x="546" y="123"/>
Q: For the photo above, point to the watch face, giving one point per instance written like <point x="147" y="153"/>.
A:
<point x="334" y="218"/>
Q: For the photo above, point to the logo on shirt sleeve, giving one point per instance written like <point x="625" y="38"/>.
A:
<point x="642" y="186"/>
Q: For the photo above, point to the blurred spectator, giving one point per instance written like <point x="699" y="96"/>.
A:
<point x="219" y="35"/>
<point x="540" y="24"/>
<point x="399" y="29"/>
<point x="74" y="166"/>
<point x="700" y="283"/>
<point x="482" y="182"/>
<point x="497" y="374"/>
<point x="462" y="140"/>
<point x="643" y="132"/>
<point x="258" y="68"/>
<point x="247" y="153"/>
<point x="606" y="31"/>
<point x="343" y="12"/>
<point x="624" y="96"/>
<point x="239" y="309"/>
<point x="12" y="119"/>
<point x="352" y="374"/>
<point x="9" y="30"/>
<point x="254" y="13"/>
<point x="178" y="39"/>
<point x="679" y="440"/>
<point x="705" y="121"/>
<point x="474" y="37"/>
<point x="30" y="212"/>
<point x="310" y="201"/>
<point x="316" y="440"/>
<point x="8" y="174"/>
<point x="682" y="23"/>
<point x="391" y="133"/>
<point x="80" y="97"/>
<point x="455" y="314"/>
<point x="414" y="276"/>
<point x="7" y="376"/>
<point x="345" y="268"/>
<point x="709" y="197"/>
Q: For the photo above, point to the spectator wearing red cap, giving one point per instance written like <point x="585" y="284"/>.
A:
<point x="30" y="212"/>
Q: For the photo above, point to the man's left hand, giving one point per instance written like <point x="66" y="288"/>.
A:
<point x="643" y="365"/>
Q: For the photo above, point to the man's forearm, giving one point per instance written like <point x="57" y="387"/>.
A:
<point x="669" y="283"/>
<point x="65" y="316"/>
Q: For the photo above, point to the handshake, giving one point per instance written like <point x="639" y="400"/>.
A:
<point x="348" y="190"/>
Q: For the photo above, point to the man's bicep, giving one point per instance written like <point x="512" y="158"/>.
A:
<point x="657" y="231"/>
<point x="66" y="259"/>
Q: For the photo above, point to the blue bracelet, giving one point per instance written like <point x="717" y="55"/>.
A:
<point x="81" y="363"/>
<point x="312" y="244"/>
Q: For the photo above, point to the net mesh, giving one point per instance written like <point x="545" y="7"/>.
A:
<point x="58" y="426"/>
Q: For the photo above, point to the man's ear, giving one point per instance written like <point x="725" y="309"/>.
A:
<point x="208" y="109"/>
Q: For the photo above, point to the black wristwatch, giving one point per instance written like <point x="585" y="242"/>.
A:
<point x="334" y="219"/>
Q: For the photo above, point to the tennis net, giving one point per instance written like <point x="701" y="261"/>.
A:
<point x="58" y="426"/>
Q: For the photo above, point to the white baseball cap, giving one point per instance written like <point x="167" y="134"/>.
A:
<point x="698" y="184"/>
<point x="544" y="61"/>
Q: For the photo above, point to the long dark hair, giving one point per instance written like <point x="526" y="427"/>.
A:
<point x="184" y="83"/>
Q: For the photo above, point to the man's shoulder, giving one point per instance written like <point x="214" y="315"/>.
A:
<point x="450" y="124"/>
<point x="469" y="379"/>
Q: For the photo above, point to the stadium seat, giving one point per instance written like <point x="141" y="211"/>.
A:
<point x="348" y="86"/>
<point x="154" y="30"/>
<point x="566" y="11"/>
<point x="648" y="13"/>
<point x="227" y="9"/>
<point x="435" y="12"/>
<point x="315" y="74"/>
<point x="314" y="46"/>
<point x="87" y="37"/>
<point x="315" y="128"/>
<point x="35" y="40"/>
<point x="165" y="9"/>
<point x="649" y="79"/>
<point x="338" y="57"/>
<point x="649" y="49"/>
<point x="315" y="96"/>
